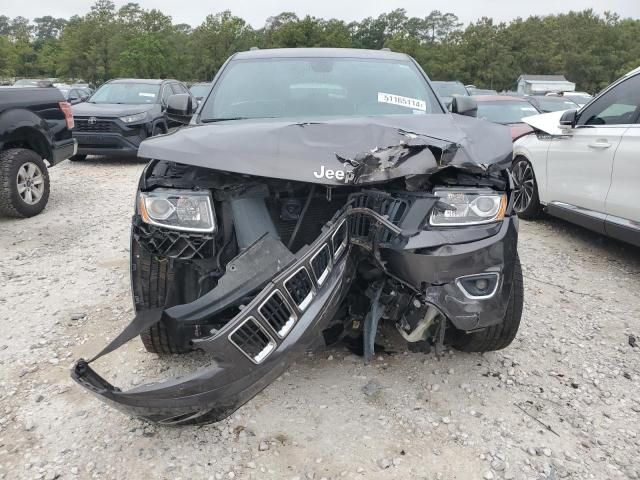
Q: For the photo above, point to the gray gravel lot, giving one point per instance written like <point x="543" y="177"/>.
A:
<point x="561" y="402"/>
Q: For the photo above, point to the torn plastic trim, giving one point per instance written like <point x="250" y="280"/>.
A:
<point x="237" y="374"/>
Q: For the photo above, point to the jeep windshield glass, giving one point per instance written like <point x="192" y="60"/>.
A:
<point x="318" y="87"/>
<point x="128" y="93"/>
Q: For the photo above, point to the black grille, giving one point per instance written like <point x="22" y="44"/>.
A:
<point x="278" y="314"/>
<point x="339" y="237"/>
<point x="364" y="226"/>
<point x="100" y="125"/>
<point x="252" y="340"/>
<point x="164" y="242"/>
<point x="299" y="287"/>
<point x="320" y="262"/>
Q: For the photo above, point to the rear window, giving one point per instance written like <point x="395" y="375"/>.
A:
<point x="317" y="87"/>
<point x="504" y="111"/>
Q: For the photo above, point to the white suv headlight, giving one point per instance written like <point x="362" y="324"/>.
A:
<point x="469" y="206"/>
<point x="184" y="210"/>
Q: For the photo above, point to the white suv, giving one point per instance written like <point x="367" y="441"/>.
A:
<point x="584" y="166"/>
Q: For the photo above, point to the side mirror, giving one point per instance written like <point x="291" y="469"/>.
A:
<point x="464" y="106"/>
<point x="74" y="100"/>
<point x="180" y="107"/>
<point x="569" y="118"/>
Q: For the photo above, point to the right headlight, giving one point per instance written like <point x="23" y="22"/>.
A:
<point x="468" y="206"/>
<point x="185" y="210"/>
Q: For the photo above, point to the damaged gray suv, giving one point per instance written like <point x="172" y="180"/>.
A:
<point x="314" y="194"/>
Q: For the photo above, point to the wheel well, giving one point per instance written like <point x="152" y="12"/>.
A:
<point x="30" y="138"/>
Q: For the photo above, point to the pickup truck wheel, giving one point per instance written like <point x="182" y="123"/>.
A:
<point x="78" y="158"/>
<point x="24" y="183"/>
<point x="526" y="201"/>
<point x="154" y="277"/>
<point x="501" y="335"/>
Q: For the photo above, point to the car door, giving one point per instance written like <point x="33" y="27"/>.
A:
<point x="579" y="164"/>
<point x="622" y="204"/>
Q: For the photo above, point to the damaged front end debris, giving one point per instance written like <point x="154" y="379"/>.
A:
<point x="256" y="240"/>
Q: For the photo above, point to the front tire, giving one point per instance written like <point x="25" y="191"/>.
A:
<point x="155" y="277"/>
<point x="526" y="201"/>
<point x="78" y="158"/>
<point x="501" y="335"/>
<point x="24" y="183"/>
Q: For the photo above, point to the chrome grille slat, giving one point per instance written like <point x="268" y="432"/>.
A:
<point x="253" y="340"/>
<point x="300" y="287"/>
<point x="321" y="264"/>
<point x="278" y="314"/>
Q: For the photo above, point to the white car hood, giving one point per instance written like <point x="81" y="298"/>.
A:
<point x="547" y="122"/>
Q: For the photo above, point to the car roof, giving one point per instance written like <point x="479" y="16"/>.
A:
<point x="497" y="98"/>
<point x="321" y="53"/>
<point x="151" y="81"/>
<point x="633" y="72"/>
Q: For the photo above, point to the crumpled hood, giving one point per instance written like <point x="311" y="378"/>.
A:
<point x="338" y="152"/>
<point x="87" y="109"/>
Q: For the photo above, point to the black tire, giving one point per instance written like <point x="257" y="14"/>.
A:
<point x="501" y="335"/>
<point x="526" y="201"/>
<point x="13" y="163"/>
<point x="78" y="158"/>
<point x="154" y="278"/>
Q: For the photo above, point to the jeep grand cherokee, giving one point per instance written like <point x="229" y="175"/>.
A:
<point x="315" y="193"/>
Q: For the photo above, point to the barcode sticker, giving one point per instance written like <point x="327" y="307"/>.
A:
<point x="413" y="103"/>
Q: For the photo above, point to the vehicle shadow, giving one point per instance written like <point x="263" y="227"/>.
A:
<point x="116" y="161"/>
<point x="584" y="239"/>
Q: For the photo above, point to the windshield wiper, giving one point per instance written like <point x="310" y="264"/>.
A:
<point x="224" y="119"/>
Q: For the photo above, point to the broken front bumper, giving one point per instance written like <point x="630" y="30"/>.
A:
<point x="253" y="349"/>
<point x="300" y="301"/>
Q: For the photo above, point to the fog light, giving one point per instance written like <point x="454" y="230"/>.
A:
<point x="480" y="286"/>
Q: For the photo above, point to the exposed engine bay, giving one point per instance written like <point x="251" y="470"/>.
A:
<point x="254" y="265"/>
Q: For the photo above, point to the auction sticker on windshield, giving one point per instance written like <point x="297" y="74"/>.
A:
<point x="408" y="102"/>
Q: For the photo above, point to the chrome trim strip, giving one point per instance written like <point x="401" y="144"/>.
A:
<point x="576" y="209"/>
<point x="293" y="318"/>
<point x="478" y="297"/>
<point x="623" y="222"/>
<point x="271" y="346"/>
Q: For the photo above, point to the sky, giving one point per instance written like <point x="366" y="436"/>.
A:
<point x="256" y="12"/>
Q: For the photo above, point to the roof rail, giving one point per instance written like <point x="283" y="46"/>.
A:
<point x="254" y="48"/>
<point x="385" y="49"/>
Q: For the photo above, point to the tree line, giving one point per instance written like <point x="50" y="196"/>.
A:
<point x="589" y="49"/>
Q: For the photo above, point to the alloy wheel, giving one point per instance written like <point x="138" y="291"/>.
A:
<point x="525" y="184"/>
<point x="30" y="183"/>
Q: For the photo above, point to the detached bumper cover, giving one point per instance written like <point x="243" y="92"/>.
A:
<point x="252" y="350"/>
<point x="300" y="301"/>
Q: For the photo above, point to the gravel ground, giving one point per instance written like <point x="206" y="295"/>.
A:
<point x="561" y="402"/>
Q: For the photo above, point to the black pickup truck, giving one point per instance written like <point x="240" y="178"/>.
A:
<point x="35" y="130"/>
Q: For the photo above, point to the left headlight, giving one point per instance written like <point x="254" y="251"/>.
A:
<point x="468" y="207"/>
<point x="188" y="211"/>
<point x="135" y="118"/>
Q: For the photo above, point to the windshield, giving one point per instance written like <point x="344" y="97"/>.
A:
<point x="128" y="93"/>
<point x="199" y="91"/>
<point x="505" y="111"/>
<point x="450" y="89"/>
<point x="317" y="87"/>
<point x="555" y="104"/>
